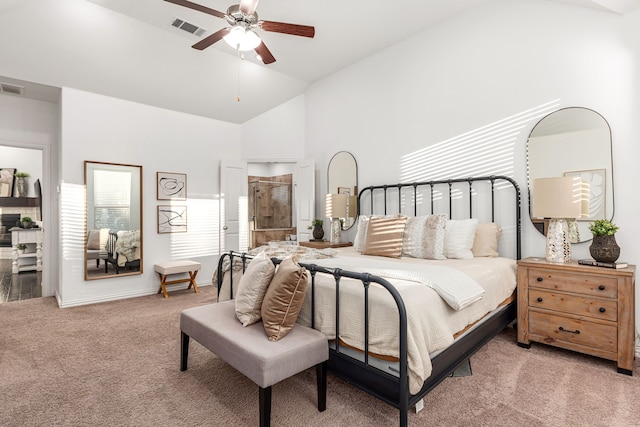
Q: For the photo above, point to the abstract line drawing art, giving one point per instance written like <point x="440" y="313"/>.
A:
<point x="171" y="186"/>
<point x="172" y="219"/>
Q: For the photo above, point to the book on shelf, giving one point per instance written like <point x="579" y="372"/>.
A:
<point x="595" y="263"/>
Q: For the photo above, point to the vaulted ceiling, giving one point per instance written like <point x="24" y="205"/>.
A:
<point x="130" y="50"/>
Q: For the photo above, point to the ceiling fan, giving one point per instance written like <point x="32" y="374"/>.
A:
<point x="243" y="20"/>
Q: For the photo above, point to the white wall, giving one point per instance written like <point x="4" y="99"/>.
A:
<point x="473" y="87"/>
<point x="105" y="129"/>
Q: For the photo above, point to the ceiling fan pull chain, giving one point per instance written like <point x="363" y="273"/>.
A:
<point x="239" y="59"/>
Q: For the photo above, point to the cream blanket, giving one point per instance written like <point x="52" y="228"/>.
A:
<point x="432" y="323"/>
<point x="128" y="246"/>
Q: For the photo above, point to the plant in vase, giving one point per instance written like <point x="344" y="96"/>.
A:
<point x="604" y="247"/>
<point x="26" y="221"/>
<point x="21" y="183"/>
<point x="318" y="231"/>
<point x="21" y="248"/>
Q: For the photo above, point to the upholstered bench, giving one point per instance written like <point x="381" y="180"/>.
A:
<point x="164" y="269"/>
<point x="248" y="350"/>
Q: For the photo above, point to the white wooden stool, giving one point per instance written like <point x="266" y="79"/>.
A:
<point x="164" y="269"/>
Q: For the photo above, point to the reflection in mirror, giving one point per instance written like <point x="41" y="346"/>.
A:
<point x="342" y="178"/>
<point x="113" y="220"/>
<point x="574" y="142"/>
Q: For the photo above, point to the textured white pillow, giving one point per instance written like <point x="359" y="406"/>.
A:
<point x="361" y="233"/>
<point x="252" y="288"/>
<point x="424" y="237"/>
<point x="458" y="238"/>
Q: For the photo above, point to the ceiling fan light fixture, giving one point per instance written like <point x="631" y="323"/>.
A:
<point x="241" y="39"/>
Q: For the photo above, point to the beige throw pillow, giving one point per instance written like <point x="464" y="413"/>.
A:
<point x="283" y="300"/>
<point x="252" y="289"/>
<point x="97" y="239"/>
<point x="486" y="240"/>
<point x="424" y="237"/>
<point x="384" y="237"/>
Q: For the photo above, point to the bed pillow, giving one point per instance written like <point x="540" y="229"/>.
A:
<point x="283" y="301"/>
<point x="384" y="236"/>
<point x="361" y="233"/>
<point x="424" y="237"/>
<point x="458" y="238"/>
<point x="252" y="288"/>
<point x="97" y="239"/>
<point x="485" y="243"/>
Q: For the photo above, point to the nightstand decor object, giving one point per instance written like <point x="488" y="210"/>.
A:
<point x="578" y="307"/>
<point x="604" y="247"/>
<point x="335" y="207"/>
<point x="560" y="199"/>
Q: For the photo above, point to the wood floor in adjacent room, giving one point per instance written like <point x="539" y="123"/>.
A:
<point x="20" y="286"/>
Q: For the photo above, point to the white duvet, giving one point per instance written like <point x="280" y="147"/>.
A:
<point x="432" y="322"/>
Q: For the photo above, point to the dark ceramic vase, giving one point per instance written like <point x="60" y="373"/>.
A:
<point x="604" y="248"/>
<point x="318" y="232"/>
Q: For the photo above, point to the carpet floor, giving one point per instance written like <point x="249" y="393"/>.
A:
<point x="117" y="364"/>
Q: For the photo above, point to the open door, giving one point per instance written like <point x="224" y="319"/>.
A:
<point x="304" y="200"/>
<point x="234" y="221"/>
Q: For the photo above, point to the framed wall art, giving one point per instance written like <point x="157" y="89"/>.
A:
<point x="7" y="181"/>
<point x="172" y="219"/>
<point x="596" y="178"/>
<point x="171" y="186"/>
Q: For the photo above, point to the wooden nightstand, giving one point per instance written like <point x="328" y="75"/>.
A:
<point x="325" y="244"/>
<point x="581" y="308"/>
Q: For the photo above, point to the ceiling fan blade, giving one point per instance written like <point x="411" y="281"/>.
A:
<point x="197" y="7"/>
<point x="293" y="29"/>
<point x="209" y="40"/>
<point x="248" y="6"/>
<point x="265" y="54"/>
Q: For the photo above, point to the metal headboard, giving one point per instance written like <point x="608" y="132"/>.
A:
<point x="400" y="191"/>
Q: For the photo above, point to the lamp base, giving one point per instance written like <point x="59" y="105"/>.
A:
<point x="335" y="231"/>
<point x="558" y="241"/>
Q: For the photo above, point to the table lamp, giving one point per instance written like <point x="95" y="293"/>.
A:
<point x="558" y="199"/>
<point x="336" y="207"/>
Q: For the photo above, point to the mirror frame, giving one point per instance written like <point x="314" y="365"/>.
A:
<point x="90" y="166"/>
<point x="584" y="234"/>
<point x="337" y="179"/>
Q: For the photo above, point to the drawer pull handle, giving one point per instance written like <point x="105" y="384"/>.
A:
<point x="571" y="332"/>
<point x="601" y="287"/>
<point x="539" y="279"/>
<point x="539" y="299"/>
<point x="602" y="309"/>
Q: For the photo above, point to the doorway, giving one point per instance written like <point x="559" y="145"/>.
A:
<point x="21" y="275"/>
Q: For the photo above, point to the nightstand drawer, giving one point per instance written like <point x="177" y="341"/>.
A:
<point x="574" y="304"/>
<point x="558" y="328"/>
<point x="604" y="287"/>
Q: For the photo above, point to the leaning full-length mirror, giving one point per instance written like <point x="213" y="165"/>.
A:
<point x="113" y="220"/>
<point x="574" y="142"/>
<point x="342" y="178"/>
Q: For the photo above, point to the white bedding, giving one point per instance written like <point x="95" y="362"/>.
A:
<point x="429" y="330"/>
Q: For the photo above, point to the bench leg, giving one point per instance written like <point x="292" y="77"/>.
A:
<point x="265" y="406"/>
<point x="163" y="286"/>
<point x="321" y="378"/>
<point x="192" y="280"/>
<point x="184" y="351"/>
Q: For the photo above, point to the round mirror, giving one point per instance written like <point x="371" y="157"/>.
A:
<point x="342" y="178"/>
<point x="574" y="142"/>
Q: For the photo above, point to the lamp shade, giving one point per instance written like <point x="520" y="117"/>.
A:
<point x="558" y="197"/>
<point x="335" y="206"/>
<point x="242" y="39"/>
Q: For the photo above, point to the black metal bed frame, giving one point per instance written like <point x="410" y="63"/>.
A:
<point x="391" y="389"/>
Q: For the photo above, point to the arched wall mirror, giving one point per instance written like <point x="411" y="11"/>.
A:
<point x="113" y="220"/>
<point x="342" y="178"/>
<point x="574" y="142"/>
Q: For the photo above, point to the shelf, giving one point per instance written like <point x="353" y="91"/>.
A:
<point x="19" y="202"/>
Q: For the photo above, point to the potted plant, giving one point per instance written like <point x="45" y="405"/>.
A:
<point x="318" y="231"/>
<point x="21" y="183"/>
<point x="26" y="221"/>
<point x="21" y="248"/>
<point x="604" y="247"/>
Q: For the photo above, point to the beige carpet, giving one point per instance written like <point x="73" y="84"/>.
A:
<point x="117" y="364"/>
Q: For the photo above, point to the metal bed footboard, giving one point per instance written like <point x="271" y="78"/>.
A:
<point x="390" y="388"/>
